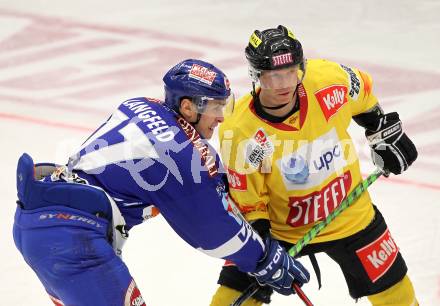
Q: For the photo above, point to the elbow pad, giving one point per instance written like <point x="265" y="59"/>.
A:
<point x="262" y="227"/>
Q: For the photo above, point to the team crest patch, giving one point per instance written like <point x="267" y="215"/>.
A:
<point x="295" y="169"/>
<point x="259" y="148"/>
<point x="202" y="74"/>
<point x="133" y="296"/>
<point x="313" y="163"/>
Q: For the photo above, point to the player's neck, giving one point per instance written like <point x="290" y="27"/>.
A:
<point x="279" y="116"/>
<point x="280" y="110"/>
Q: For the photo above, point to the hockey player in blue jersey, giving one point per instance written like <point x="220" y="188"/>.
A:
<point x="71" y="221"/>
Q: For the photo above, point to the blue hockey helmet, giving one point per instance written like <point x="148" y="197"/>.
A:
<point x="198" y="81"/>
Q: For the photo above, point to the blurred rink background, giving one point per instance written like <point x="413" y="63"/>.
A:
<point x="65" y="65"/>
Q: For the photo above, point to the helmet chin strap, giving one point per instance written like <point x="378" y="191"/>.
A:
<point x="275" y="107"/>
<point x="197" y="119"/>
<point x="194" y="122"/>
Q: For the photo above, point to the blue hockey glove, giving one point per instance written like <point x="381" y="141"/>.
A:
<point x="392" y="150"/>
<point x="279" y="270"/>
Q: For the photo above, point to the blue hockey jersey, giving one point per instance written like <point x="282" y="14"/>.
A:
<point x="146" y="156"/>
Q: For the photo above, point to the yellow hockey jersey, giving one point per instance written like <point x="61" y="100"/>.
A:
<point x="296" y="172"/>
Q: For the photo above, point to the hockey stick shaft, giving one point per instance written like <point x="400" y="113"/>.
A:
<point x="350" y="199"/>
<point x="302" y="295"/>
<point x="315" y="230"/>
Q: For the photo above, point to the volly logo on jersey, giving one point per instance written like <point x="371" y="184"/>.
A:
<point x="378" y="257"/>
<point x="331" y="99"/>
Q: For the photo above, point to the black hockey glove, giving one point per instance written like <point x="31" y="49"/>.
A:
<point x="279" y="270"/>
<point x="391" y="149"/>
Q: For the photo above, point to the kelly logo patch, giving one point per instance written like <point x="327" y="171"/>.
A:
<point x="331" y="99"/>
<point x="378" y="257"/>
<point x="202" y="74"/>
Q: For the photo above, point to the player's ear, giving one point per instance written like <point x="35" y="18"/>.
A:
<point x="187" y="109"/>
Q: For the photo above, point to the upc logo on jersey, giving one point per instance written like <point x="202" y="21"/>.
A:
<point x="378" y="257"/>
<point x="237" y="181"/>
<point x="318" y="205"/>
<point x="202" y="74"/>
<point x="331" y="99"/>
<point x="313" y="162"/>
<point x="282" y="59"/>
<point x="327" y="157"/>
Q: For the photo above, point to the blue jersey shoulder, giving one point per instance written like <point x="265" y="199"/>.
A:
<point x="146" y="154"/>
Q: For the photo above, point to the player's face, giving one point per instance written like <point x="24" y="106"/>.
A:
<point x="279" y="79"/>
<point x="279" y="85"/>
<point x="210" y="118"/>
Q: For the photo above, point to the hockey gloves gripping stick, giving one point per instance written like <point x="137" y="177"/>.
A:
<point x="391" y="149"/>
<point x="279" y="270"/>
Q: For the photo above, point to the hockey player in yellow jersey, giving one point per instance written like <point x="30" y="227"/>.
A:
<point x="291" y="162"/>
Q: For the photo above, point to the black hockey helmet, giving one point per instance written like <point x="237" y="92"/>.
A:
<point x="273" y="49"/>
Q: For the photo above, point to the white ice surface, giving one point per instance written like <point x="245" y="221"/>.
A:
<point x="396" y="41"/>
